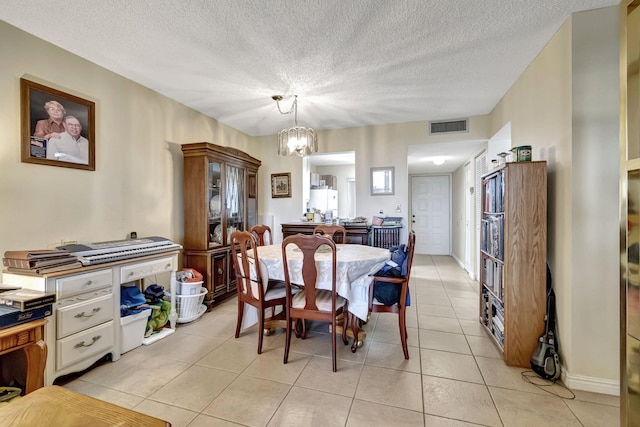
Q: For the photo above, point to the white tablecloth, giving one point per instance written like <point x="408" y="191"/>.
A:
<point x="355" y="263"/>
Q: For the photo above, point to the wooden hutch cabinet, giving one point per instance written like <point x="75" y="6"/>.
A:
<point x="220" y="196"/>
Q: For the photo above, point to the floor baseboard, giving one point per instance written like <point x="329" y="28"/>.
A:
<point x="592" y="384"/>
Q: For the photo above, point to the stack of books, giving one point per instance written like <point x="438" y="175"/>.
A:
<point x="19" y="306"/>
<point x="392" y="221"/>
<point x="40" y="261"/>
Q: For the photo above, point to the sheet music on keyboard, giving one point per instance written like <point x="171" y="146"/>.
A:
<point x="115" y="250"/>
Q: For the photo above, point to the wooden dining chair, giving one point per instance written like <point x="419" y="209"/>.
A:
<point x="331" y="231"/>
<point x="312" y="303"/>
<point x="263" y="234"/>
<point x="253" y="284"/>
<point x="400" y="307"/>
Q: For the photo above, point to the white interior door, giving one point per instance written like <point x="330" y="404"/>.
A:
<point x="468" y="216"/>
<point x="480" y="168"/>
<point x="430" y="208"/>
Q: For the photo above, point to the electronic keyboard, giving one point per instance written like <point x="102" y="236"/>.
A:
<point x="116" y="250"/>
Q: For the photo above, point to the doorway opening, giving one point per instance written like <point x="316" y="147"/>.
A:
<point x="331" y="171"/>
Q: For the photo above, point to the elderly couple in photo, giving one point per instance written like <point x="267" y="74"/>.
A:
<point x="62" y="132"/>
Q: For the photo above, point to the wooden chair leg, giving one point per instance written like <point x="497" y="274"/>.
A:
<point x="345" y="323"/>
<point x="403" y="332"/>
<point x="260" y="328"/>
<point x="333" y="344"/>
<point x="304" y="328"/>
<point x="240" y="314"/>
<point x="287" y="339"/>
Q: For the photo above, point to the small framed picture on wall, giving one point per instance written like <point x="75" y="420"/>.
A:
<point x="280" y="185"/>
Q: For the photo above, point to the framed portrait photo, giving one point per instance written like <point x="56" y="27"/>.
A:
<point x="280" y="185"/>
<point x="58" y="129"/>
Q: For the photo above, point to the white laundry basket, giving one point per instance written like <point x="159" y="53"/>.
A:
<point x="190" y="307"/>
<point x="189" y="288"/>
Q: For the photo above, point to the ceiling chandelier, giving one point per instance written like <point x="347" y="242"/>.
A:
<point x="295" y="140"/>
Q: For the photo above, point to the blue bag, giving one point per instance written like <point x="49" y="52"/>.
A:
<point x="389" y="293"/>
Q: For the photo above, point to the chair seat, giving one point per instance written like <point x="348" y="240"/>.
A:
<point x="277" y="289"/>
<point x="323" y="300"/>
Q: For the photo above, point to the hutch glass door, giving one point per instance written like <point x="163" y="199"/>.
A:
<point x="215" y="204"/>
<point x="234" y="200"/>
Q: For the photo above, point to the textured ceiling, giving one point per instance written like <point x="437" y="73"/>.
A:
<point x="351" y="62"/>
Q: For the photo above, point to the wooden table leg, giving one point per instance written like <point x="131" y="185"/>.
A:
<point x="36" y="355"/>
<point x="355" y="332"/>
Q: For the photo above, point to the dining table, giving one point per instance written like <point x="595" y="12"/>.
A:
<point x="355" y="265"/>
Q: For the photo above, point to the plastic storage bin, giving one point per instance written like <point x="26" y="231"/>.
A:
<point x="132" y="329"/>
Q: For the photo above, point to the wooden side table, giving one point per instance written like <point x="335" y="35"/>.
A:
<point x="27" y="338"/>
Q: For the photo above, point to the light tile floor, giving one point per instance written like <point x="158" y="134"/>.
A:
<point x="202" y="376"/>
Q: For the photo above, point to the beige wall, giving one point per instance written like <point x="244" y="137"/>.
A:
<point x="137" y="184"/>
<point x="562" y="106"/>
<point x="595" y="196"/>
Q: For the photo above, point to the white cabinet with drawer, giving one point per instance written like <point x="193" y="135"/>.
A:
<point x="77" y="317"/>
<point x="80" y="283"/>
<point x="146" y="269"/>
<point x="79" y="346"/>
<point x="85" y="325"/>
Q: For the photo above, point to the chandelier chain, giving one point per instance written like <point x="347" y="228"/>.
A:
<point x="293" y="109"/>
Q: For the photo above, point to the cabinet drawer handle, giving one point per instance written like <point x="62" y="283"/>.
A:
<point x="220" y="271"/>
<point x="168" y="265"/>
<point x="93" y="313"/>
<point x="131" y="273"/>
<point x="93" y="341"/>
<point x="88" y="297"/>
<point x="89" y="282"/>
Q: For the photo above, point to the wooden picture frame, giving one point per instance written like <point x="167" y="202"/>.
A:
<point x="280" y="185"/>
<point x="383" y="181"/>
<point x="58" y="129"/>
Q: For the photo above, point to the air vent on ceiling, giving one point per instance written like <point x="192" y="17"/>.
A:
<point x="449" y="126"/>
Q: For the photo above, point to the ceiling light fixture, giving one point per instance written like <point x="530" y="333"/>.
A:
<point x="438" y="161"/>
<point x="295" y="140"/>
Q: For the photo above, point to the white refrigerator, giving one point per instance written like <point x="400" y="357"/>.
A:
<point x="324" y="200"/>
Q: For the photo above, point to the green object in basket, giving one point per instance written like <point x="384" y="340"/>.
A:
<point x="159" y="317"/>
